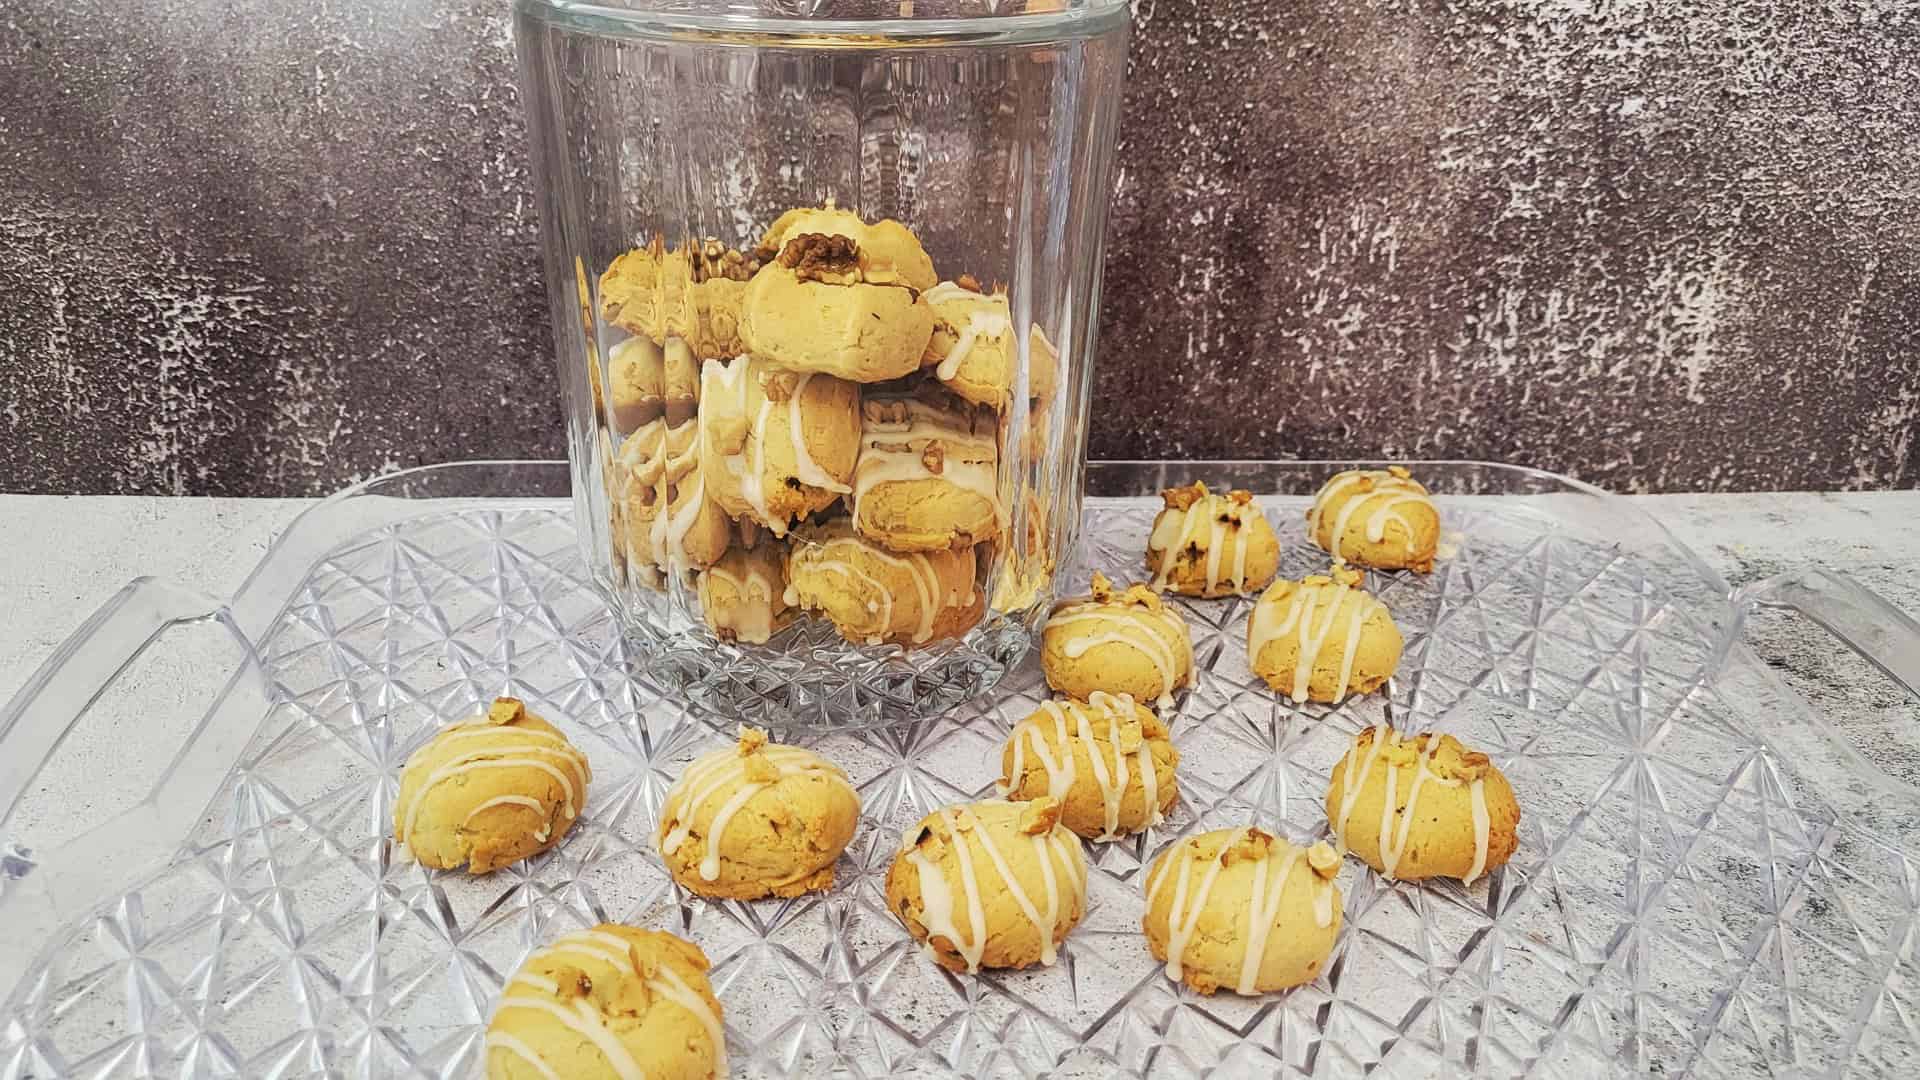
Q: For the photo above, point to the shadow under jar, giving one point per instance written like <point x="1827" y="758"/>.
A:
<point x="824" y="279"/>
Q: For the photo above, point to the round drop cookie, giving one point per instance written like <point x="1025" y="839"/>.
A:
<point x="631" y="291"/>
<point x="1243" y="910"/>
<point x="1120" y="642"/>
<point x="652" y="382"/>
<point x="610" y="1003"/>
<point x="1322" y="638"/>
<point x="490" y="791"/>
<point x="776" y="446"/>
<point x="840" y="297"/>
<point x="1108" y="761"/>
<point x="925" y="479"/>
<point x="672" y="519"/>
<point x="757" y="819"/>
<point x="1211" y="545"/>
<point x="744" y="595"/>
<point x="873" y="596"/>
<point x="989" y="884"/>
<point x="972" y="350"/>
<point x="1422" y="806"/>
<point x="1380" y="518"/>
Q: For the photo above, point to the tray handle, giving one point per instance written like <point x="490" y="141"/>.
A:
<point x="1860" y="618"/>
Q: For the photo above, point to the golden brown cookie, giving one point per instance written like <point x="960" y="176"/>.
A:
<point x="873" y="595"/>
<point x="614" y="1002"/>
<point x="989" y="884"/>
<point x="490" y="791"/>
<point x="1120" y="642"/>
<point x="774" y="445"/>
<point x="744" y="595"/>
<point x="972" y="348"/>
<point x="631" y="292"/>
<point x="672" y="520"/>
<point x="1422" y="806"/>
<point x="886" y="252"/>
<point x="1322" y="638"/>
<point x="1381" y="518"/>
<point x="813" y="308"/>
<point x="1241" y="909"/>
<point x="1205" y="544"/>
<point x="925" y="479"/>
<point x="651" y="382"/>
<point x="757" y="819"/>
<point x="1108" y="761"/>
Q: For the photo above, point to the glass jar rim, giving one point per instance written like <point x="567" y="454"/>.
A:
<point x="653" y="18"/>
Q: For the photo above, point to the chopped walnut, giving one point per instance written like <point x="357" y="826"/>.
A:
<point x="1102" y="587"/>
<point x="1399" y="471"/>
<point x="505" y="711"/>
<point x="1130" y="734"/>
<point x="645" y="964"/>
<point x="571" y="982"/>
<point x="1180" y="498"/>
<point x="822" y="257"/>
<point x="1254" y="844"/>
<point x="1344" y="574"/>
<point x="886" y="411"/>
<point x="752" y="739"/>
<point x="1039" y="816"/>
<point x="1240" y="497"/>
<point x="934" y="457"/>
<point x="778" y="385"/>
<point x="713" y="259"/>
<point x="1324" y="860"/>
<point x="968" y="282"/>
<point x="760" y="770"/>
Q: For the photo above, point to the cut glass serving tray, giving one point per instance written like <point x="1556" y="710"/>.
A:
<point x="1706" y="884"/>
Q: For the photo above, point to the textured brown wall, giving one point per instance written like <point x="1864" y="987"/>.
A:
<point x="249" y="247"/>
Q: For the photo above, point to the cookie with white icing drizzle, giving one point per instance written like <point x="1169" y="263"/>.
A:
<point x="1207" y="544"/>
<point x="926" y="477"/>
<point x="672" y="521"/>
<point x="744" y="595"/>
<point x="1378" y="518"/>
<point x="1422" y="806"/>
<point x="490" y="791"/>
<point x="611" y="1003"/>
<point x="1242" y="910"/>
<point x="1322" y="638"/>
<point x="776" y="446"/>
<point x="840" y="297"/>
<point x="990" y="884"/>
<point x="972" y="349"/>
<point x="1119" y="642"/>
<point x="872" y="595"/>
<point x="1107" y="760"/>
<point x="757" y="819"/>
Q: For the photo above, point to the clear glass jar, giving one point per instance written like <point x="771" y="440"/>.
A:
<point x="876" y="225"/>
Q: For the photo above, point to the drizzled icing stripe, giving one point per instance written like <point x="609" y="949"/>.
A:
<point x="1389" y="491"/>
<point x="936" y="891"/>
<point x="1174" y="529"/>
<point x="1125" y="626"/>
<point x="1061" y="771"/>
<point x="487" y="757"/>
<point x="1269" y="625"/>
<point x="725" y="770"/>
<point x="1393" y="847"/>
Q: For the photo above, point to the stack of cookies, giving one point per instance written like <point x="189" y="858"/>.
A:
<point x="818" y="425"/>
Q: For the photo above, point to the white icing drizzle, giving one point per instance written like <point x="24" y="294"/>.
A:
<point x="1388" y="492"/>
<point x="936" y="892"/>
<point x="1393" y="848"/>
<point x="1263" y="908"/>
<point x="917" y="565"/>
<point x="511" y="800"/>
<point x="503" y="1041"/>
<point x="1061" y="771"/>
<point x="1174" y="529"/>
<point x="675" y="989"/>
<point x="583" y="1020"/>
<point x="994" y="325"/>
<point x="1482" y="830"/>
<point x="746" y="464"/>
<point x="1180" y="921"/>
<point x="1295" y="614"/>
<point x="726" y="770"/>
<point x="805" y="469"/>
<point x="526" y="748"/>
<point x="1124" y="627"/>
<point x="893" y="451"/>
<point x="751" y="617"/>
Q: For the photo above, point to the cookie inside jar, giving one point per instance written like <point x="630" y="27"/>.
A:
<point x="819" y="413"/>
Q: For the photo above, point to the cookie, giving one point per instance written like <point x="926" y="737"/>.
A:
<point x="757" y="819"/>
<point x="925" y="479"/>
<point x="776" y="446"/>
<point x="972" y="350"/>
<point x="811" y="309"/>
<point x="672" y="520"/>
<point x="1107" y="761"/>
<point x="1211" y="545"/>
<point x="989" y="884"/>
<point x="1379" y="518"/>
<point x="652" y="382"/>
<point x="490" y="791"/>
<point x="1322" y="638"/>
<point x="744" y="594"/>
<point x="886" y="252"/>
<point x="613" y="1002"/>
<point x="872" y="595"/>
<point x="1422" y="806"/>
<point x="631" y="292"/>
<point x="1120" y="642"/>
<point x="1243" y="910"/>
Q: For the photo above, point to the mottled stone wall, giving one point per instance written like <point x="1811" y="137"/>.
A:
<point x="249" y="247"/>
